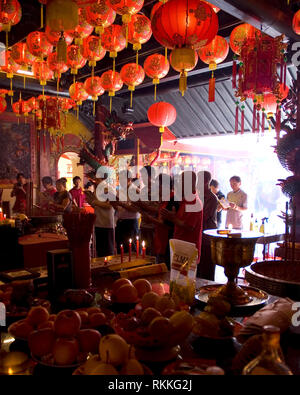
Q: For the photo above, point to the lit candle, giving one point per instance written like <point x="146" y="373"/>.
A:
<point x="137" y="246"/>
<point x="1" y="214"/>
<point x="4" y="216"/>
<point x="105" y="261"/>
<point x="129" y="251"/>
<point x="230" y="227"/>
<point x="122" y="253"/>
<point x="143" y="250"/>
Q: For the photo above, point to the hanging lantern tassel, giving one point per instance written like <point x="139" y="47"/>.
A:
<point x="94" y="107"/>
<point x="263" y="118"/>
<point x="254" y="118"/>
<point x="57" y="143"/>
<point x="44" y="142"/>
<point x="38" y="140"/>
<point x="131" y="88"/>
<point x="234" y="72"/>
<point x="284" y="72"/>
<point x="161" y="130"/>
<point x="62" y="49"/>
<point x="236" y="128"/>
<point x="42" y="16"/>
<point x="242" y="119"/>
<point x="183" y="82"/>
<point x="126" y="18"/>
<point x="137" y="47"/>
<point x="166" y="55"/>
<point x="278" y="121"/>
<point x="257" y="121"/>
<point x="281" y="70"/>
<point x="155" y="82"/>
<point x="211" y="89"/>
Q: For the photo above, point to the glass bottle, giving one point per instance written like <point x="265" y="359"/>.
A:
<point x="269" y="362"/>
<point x="251" y="223"/>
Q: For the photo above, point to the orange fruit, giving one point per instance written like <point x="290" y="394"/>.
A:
<point x="93" y="310"/>
<point x="126" y="294"/>
<point x="97" y="319"/>
<point x="149" y="299"/>
<point x="118" y="283"/>
<point x="37" y="315"/>
<point x="142" y="286"/>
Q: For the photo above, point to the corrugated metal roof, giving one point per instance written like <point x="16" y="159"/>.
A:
<point x="195" y="115"/>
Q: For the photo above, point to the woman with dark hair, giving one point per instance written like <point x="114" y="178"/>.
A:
<point x="62" y="200"/>
<point x="20" y="191"/>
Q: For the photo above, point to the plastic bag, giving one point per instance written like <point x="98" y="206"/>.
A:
<point x="183" y="270"/>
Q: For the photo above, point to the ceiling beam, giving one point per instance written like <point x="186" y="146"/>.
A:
<point x="263" y="14"/>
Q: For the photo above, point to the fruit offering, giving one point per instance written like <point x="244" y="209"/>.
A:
<point x="65" y="343"/>
<point x="125" y="291"/>
<point x="38" y="317"/>
<point x="155" y="324"/>
<point x="114" y="357"/>
<point x="212" y="322"/>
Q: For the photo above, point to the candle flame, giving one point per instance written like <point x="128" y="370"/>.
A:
<point x="143" y="244"/>
<point x="130" y="241"/>
<point x="137" y="237"/>
<point x="10" y="371"/>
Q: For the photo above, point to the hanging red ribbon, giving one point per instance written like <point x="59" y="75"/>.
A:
<point x="38" y="140"/>
<point x="254" y="118"/>
<point x="257" y="121"/>
<point x="234" y="72"/>
<point x="57" y="143"/>
<point x="211" y="89"/>
<point x="236" y="129"/>
<point x="263" y="117"/>
<point x="44" y="142"/>
<point x="62" y="141"/>
<point x="243" y="120"/>
<point x="278" y="121"/>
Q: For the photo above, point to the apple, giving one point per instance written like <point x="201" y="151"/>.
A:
<point x="65" y="351"/>
<point x="89" y="340"/>
<point x="97" y="319"/>
<point x="41" y="342"/>
<point x="113" y="350"/>
<point x="67" y="323"/>
<point x="37" y="315"/>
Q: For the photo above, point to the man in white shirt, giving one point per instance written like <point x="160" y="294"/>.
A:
<point x="238" y="204"/>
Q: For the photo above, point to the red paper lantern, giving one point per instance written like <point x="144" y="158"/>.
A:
<point x="111" y="81"/>
<point x="132" y="75"/>
<point x="22" y="56"/>
<point x="3" y="104"/>
<point x="21" y="107"/>
<point x="53" y="37"/>
<point x="156" y="67"/>
<point x="10" y="13"/>
<point x="92" y="50"/>
<point x="126" y="8"/>
<point x="33" y="104"/>
<point x="41" y="71"/>
<point x="83" y="29"/>
<point x="100" y="15"/>
<point x="155" y="8"/>
<point x="10" y="66"/>
<point x="113" y="40"/>
<point x="215" y="8"/>
<point x="240" y="35"/>
<point x="75" y="59"/>
<point x="38" y="45"/>
<point x="66" y="104"/>
<point x="162" y="114"/>
<point x="183" y="60"/>
<point x="190" y="23"/>
<point x="58" y="67"/>
<point x="93" y="87"/>
<point x="296" y="22"/>
<point x="213" y="54"/>
<point x="139" y="31"/>
<point x="3" y="92"/>
<point x="78" y="93"/>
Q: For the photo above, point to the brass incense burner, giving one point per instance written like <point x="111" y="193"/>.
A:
<point x="233" y="251"/>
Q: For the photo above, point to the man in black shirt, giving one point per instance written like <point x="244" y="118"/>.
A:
<point x="214" y="187"/>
